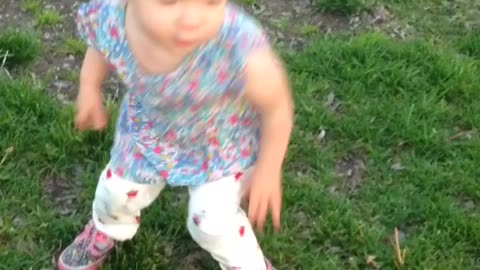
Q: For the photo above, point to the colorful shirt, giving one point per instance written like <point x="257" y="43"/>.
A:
<point x="191" y="125"/>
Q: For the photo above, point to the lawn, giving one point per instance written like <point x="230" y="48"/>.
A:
<point x="386" y="140"/>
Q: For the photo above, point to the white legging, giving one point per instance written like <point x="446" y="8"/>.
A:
<point x="215" y="219"/>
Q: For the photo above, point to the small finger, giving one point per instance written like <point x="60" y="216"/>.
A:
<point x="81" y="120"/>
<point x="261" y="215"/>
<point x="252" y="209"/>
<point x="276" y="212"/>
<point x="79" y="124"/>
<point x="100" y="124"/>
<point x="100" y="121"/>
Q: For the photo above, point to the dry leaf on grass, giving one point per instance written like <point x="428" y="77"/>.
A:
<point x="371" y="262"/>
<point x="6" y="154"/>
<point x="397" y="166"/>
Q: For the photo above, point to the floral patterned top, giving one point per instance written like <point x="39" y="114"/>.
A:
<point x="189" y="126"/>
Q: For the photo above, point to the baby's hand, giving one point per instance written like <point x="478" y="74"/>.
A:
<point x="264" y="192"/>
<point x="91" y="113"/>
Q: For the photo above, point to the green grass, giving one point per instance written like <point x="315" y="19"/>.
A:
<point x="341" y="7"/>
<point x="247" y="2"/>
<point x="18" y="48"/>
<point x="470" y="44"/>
<point x="32" y="6"/>
<point x="74" y="46"/>
<point x="400" y="102"/>
<point x="308" y="30"/>
<point x="70" y="76"/>
<point x="48" y="18"/>
<point x="281" y="24"/>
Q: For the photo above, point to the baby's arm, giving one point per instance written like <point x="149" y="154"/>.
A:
<point x="269" y="90"/>
<point x="94" y="70"/>
<point x="90" y="112"/>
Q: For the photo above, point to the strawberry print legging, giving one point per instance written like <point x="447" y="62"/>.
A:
<point x="215" y="219"/>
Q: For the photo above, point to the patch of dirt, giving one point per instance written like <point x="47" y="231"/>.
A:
<point x="332" y="103"/>
<point x="12" y="16"/>
<point x="57" y="69"/>
<point x="62" y="194"/>
<point x="351" y="170"/>
<point x="380" y="19"/>
<point x="193" y="259"/>
<point x="49" y="66"/>
<point x="304" y="225"/>
<point x="291" y="22"/>
<point x="467" y="204"/>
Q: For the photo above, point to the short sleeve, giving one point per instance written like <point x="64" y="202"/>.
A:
<point x="242" y="36"/>
<point x="94" y="24"/>
<point x="248" y="36"/>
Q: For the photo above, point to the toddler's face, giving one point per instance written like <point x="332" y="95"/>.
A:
<point x="180" y="24"/>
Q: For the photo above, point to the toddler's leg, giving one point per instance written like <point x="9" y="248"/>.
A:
<point x="116" y="216"/>
<point x="218" y="224"/>
<point x="118" y="202"/>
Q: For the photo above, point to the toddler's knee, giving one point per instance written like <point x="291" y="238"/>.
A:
<point x="213" y="211"/>
<point x="210" y="222"/>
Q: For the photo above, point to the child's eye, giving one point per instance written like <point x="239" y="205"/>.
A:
<point x="214" y="2"/>
<point x="168" y="2"/>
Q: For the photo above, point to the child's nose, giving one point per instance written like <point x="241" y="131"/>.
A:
<point x="190" y="19"/>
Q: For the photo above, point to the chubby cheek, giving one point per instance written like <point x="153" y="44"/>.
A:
<point x="213" y="23"/>
<point x="216" y="21"/>
<point x="156" y="21"/>
<point x="159" y="27"/>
